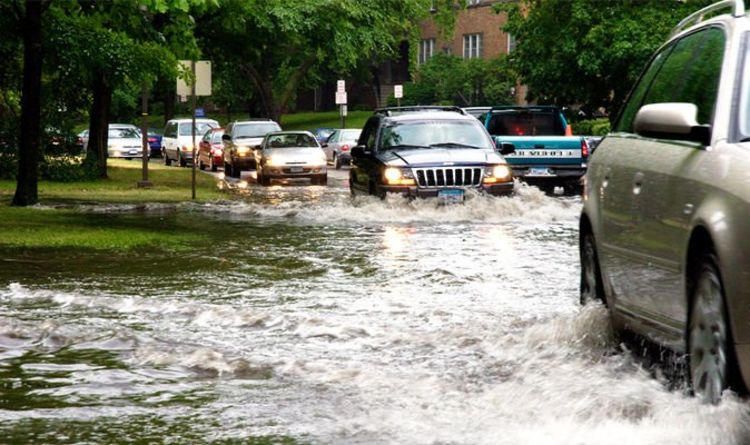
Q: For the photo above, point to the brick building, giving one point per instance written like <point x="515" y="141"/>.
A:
<point x="477" y="33"/>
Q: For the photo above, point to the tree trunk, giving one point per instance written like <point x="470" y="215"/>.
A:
<point x="27" y="192"/>
<point x="99" y="124"/>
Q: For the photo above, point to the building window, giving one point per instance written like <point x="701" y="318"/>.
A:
<point x="511" y="43"/>
<point x="472" y="46"/>
<point x="426" y="50"/>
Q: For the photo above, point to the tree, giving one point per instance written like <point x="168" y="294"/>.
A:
<point x="446" y="79"/>
<point x="275" y="44"/>
<point x="587" y="53"/>
<point x="28" y="156"/>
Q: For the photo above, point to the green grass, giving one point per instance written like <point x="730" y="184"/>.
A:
<point x="294" y="121"/>
<point x="50" y="227"/>
<point x="171" y="184"/>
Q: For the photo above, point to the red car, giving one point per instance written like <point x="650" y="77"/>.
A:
<point x="210" y="149"/>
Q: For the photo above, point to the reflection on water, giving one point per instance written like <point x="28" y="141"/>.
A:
<point x="306" y="316"/>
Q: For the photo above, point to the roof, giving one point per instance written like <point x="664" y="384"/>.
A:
<point x="430" y="115"/>
<point x="190" y="119"/>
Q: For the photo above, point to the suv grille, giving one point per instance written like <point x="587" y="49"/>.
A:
<point x="448" y="177"/>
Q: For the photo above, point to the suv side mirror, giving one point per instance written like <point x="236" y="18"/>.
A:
<point x="360" y="151"/>
<point x="673" y="121"/>
<point x="226" y="137"/>
<point x="505" y="148"/>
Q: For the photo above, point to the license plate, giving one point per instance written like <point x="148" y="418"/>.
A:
<point x="133" y="152"/>
<point x="539" y="172"/>
<point x="296" y="170"/>
<point x="451" y="196"/>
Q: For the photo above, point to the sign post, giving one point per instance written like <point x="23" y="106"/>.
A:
<point x="341" y="100"/>
<point x="398" y="92"/>
<point x="144" y="182"/>
<point x="200" y="85"/>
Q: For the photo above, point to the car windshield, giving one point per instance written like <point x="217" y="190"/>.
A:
<point x="435" y="133"/>
<point x="350" y="135"/>
<point x="216" y="137"/>
<point x="200" y="128"/>
<point x="526" y="123"/>
<point x="296" y="140"/>
<point x="324" y="133"/>
<point x="256" y="130"/>
<point x="122" y="133"/>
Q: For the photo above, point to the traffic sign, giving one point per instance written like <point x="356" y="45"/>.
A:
<point x="341" y="86"/>
<point x="398" y="91"/>
<point x="341" y="98"/>
<point x="202" y="78"/>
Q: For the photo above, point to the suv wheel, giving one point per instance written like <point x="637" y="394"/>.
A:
<point x="183" y="161"/>
<point x="336" y="162"/>
<point x="167" y="161"/>
<point x="227" y="170"/>
<point x="201" y="165"/>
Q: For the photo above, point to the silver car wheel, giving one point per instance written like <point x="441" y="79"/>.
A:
<point x="708" y="338"/>
<point x="589" y="271"/>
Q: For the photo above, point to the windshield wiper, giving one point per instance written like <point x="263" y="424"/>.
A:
<point x="453" y="144"/>
<point x="406" y="147"/>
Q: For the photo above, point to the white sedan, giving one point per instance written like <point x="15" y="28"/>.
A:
<point x="291" y="154"/>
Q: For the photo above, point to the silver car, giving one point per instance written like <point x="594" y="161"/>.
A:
<point x="291" y="154"/>
<point x="338" y="147"/>
<point x="124" y="141"/>
<point x="664" y="233"/>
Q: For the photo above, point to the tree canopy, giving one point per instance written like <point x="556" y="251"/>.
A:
<point x="588" y="52"/>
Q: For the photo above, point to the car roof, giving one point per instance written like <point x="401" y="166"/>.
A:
<point x="430" y="115"/>
<point x="275" y="133"/>
<point x="254" y="121"/>
<point x="734" y="15"/>
<point x="189" y="119"/>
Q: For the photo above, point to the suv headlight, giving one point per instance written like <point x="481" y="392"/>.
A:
<point x="498" y="173"/>
<point x="398" y="176"/>
<point x="243" y="150"/>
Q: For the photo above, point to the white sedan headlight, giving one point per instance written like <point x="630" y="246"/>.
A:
<point x="274" y="162"/>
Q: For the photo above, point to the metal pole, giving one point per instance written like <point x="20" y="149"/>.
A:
<point x="341" y="114"/>
<point x="144" y="183"/>
<point x="192" y="92"/>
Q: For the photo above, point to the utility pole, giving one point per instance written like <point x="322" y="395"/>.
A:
<point x="192" y="93"/>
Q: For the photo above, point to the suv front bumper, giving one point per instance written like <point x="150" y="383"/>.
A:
<point x="501" y="189"/>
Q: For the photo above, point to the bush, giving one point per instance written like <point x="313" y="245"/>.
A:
<point x="66" y="169"/>
<point x="592" y="127"/>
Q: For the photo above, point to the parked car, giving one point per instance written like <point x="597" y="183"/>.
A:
<point x="322" y="134"/>
<point x="177" y="141"/>
<point x="339" y="144"/>
<point x="211" y="150"/>
<point x="82" y="139"/>
<point x="427" y="152"/>
<point x="123" y="141"/>
<point x="154" y="142"/>
<point x="240" y="140"/>
<point x="291" y="154"/>
<point x="664" y="238"/>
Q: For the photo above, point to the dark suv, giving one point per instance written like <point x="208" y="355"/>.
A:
<point x="240" y="140"/>
<point x="427" y="152"/>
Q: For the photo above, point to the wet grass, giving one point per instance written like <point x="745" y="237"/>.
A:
<point x="62" y="226"/>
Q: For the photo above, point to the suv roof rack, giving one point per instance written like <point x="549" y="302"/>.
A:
<point x="388" y="111"/>
<point x="737" y="7"/>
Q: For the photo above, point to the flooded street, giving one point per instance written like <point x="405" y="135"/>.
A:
<point x="304" y="316"/>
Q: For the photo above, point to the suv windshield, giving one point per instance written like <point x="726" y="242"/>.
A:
<point x="256" y="130"/>
<point x="200" y="129"/>
<point x="291" y="141"/>
<point x="435" y="133"/>
<point x="525" y="123"/>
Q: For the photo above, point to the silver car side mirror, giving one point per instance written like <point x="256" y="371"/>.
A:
<point x="673" y="121"/>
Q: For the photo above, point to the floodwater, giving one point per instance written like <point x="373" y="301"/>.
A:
<point x="307" y="317"/>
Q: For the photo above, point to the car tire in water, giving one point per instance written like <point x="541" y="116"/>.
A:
<point x="183" y="161"/>
<point x="712" y="366"/>
<point x="214" y="167"/>
<point x="167" y="161"/>
<point x="201" y="165"/>
<point x="336" y="162"/>
<point x="227" y="170"/>
<point x="591" y="288"/>
<point x="236" y="172"/>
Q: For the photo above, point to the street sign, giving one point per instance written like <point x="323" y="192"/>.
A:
<point x="200" y="112"/>
<point x="344" y="110"/>
<point x="341" y="98"/>
<point x="202" y="78"/>
<point x="341" y="86"/>
<point x="398" y="91"/>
